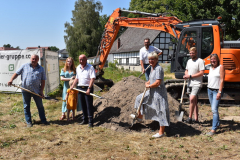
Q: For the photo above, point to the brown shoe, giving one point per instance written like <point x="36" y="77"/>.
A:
<point x="63" y="117"/>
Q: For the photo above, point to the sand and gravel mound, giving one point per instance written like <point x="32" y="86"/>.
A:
<point x="114" y="111"/>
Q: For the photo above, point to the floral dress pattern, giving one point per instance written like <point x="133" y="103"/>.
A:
<point x="155" y="102"/>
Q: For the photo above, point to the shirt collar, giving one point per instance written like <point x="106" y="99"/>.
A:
<point x="84" y="67"/>
<point x="35" y="67"/>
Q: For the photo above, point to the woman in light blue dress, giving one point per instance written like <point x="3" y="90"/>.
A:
<point x="155" y="102"/>
<point x="67" y="73"/>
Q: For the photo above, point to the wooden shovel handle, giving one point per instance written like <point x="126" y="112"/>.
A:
<point x="183" y="90"/>
<point x="145" y="69"/>
<point x="27" y="90"/>
<point x="141" y="101"/>
<point x="90" y="93"/>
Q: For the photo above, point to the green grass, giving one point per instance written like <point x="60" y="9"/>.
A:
<point x="117" y="74"/>
<point x="111" y="72"/>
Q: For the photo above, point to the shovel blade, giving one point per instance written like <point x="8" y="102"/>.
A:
<point x="133" y="121"/>
<point x="133" y="116"/>
<point x="179" y="115"/>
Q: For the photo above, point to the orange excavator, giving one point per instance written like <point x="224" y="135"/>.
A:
<point x="206" y="35"/>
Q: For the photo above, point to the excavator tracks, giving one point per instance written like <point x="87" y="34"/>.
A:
<point x="231" y="92"/>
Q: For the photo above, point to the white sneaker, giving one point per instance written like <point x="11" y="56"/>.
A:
<point x="157" y="135"/>
<point x="133" y="116"/>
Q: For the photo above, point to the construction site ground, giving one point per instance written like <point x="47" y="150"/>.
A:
<point x="111" y="137"/>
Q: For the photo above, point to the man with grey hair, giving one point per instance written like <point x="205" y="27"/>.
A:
<point x="143" y="54"/>
<point x="33" y="78"/>
<point x="85" y="78"/>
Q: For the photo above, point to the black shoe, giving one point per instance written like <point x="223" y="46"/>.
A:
<point x="46" y="123"/>
<point x="83" y="122"/>
<point x="189" y="120"/>
<point x="90" y="125"/>
<point x="194" y="121"/>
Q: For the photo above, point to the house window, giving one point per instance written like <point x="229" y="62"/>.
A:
<point x="120" y="61"/>
<point x="127" y="61"/>
<point x="161" y="42"/>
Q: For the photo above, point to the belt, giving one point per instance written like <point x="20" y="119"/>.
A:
<point x="83" y="87"/>
<point x="213" y="89"/>
<point x="147" y="64"/>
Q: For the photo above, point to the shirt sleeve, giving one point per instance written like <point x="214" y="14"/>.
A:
<point x="19" y="71"/>
<point x="62" y="73"/>
<point x="140" y="54"/>
<point x="77" y="72"/>
<point x="43" y="74"/>
<point x="187" y="65"/>
<point x="68" y="90"/>
<point x="156" y="49"/>
<point x="92" y="72"/>
<point x="159" y="73"/>
<point x="201" y="65"/>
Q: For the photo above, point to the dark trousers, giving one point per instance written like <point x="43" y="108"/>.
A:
<point x="147" y="73"/>
<point x="87" y="104"/>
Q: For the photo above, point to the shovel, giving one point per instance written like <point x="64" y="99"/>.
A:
<point x="145" y="69"/>
<point x="179" y="113"/>
<point x="134" y="116"/>
<point x="90" y="93"/>
<point x="29" y="91"/>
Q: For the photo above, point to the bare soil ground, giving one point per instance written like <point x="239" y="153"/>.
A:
<point x="111" y="137"/>
<point x="114" y="111"/>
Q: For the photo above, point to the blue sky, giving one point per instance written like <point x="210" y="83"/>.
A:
<point x="30" y="23"/>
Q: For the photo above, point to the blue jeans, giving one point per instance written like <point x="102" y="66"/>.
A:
<point x="26" y="104"/>
<point x="147" y="73"/>
<point x="212" y="95"/>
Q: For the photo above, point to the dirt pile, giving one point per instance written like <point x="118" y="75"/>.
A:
<point x="114" y="111"/>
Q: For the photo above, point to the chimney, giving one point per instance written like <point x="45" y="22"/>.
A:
<point x="119" y="43"/>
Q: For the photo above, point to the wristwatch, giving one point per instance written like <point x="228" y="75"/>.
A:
<point x="89" y="87"/>
<point x="219" y="92"/>
<point x="149" y="86"/>
<point x="190" y="76"/>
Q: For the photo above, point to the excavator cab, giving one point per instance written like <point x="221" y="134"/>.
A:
<point x="189" y="38"/>
<point x="200" y="37"/>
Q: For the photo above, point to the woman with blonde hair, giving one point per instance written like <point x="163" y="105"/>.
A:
<point x="67" y="73"/>
<point x="215" y="89"/>
<point x="155" y="103"/>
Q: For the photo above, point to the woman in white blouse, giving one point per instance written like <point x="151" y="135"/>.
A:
<point x="215" y="89"/>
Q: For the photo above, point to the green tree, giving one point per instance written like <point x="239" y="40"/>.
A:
<point x="149" y="6"/>
<point x="54" y="48"/>
<point x="103" y="20"/>
<point x="83" y="34"/>
<point x="8" y="45"/>
<point x="187" y="10"/>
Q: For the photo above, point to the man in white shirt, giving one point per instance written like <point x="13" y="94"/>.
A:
<point x="143" y="54"/>
<point x="194" y="72"/>
<point x="85" y="77"/>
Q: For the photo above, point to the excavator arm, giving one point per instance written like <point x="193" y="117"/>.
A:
<point x="155" y="22"/>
